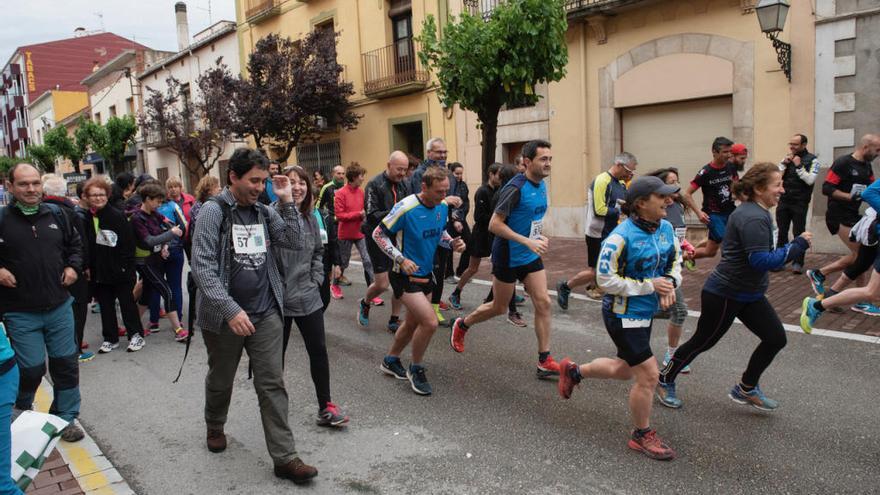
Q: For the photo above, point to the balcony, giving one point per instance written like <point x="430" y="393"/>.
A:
<point x="574" y="8"/>
<point x="257" y="11"/>
<point x="394" y="70"/>
<point x="155" y="139"/>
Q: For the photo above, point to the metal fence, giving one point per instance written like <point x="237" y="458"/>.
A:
<point x="318" y="156"/>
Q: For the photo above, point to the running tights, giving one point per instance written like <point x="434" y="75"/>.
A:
<point x="311" y="327"/>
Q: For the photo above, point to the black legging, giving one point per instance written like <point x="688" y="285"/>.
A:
<point x="716" y="317"/>
<point x="80" y="313"/>
<point x="864" y="261"/>
<point x="154" y="281"/>
<point x="107" y="294"/>
<point x="440" y="258"/>
<point x="311" y="327"/>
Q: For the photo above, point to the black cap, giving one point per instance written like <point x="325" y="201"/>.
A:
<point x="646" y="185"/>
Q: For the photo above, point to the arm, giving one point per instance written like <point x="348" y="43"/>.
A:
<point x="777" y="258"/>
<point x="673" y="268"/>
<point x="808" y="172"/>
<point x="481" y="207"/>
<point x="688" y="197"/>
<point x="205" y="260"/>
<point x="341" y="208"/>
<point x="499" y="227"/>
<point x="73" y="246"/>
<point x="317" y="254"/>
<point x="872" y="195"/>
<point x="607" y="275"/>
<point x="831" y="185"/>
<point x="284" y="229"/>
<point x="373" y="204"/>
<point x="382" y="237"/>
<point x="126" y="242"/>
<point x="461" y="212"/>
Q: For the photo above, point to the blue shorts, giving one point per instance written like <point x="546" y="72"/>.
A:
<point x="717" y="226"/>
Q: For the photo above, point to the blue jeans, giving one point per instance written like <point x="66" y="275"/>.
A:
<point x="33" y="335"/>
<point x="8" y="391"/>
<point x="173" y="268"/>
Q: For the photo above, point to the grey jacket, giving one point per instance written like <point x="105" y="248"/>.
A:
<point x="212" y="256"/>
<point x="302" y="269"/>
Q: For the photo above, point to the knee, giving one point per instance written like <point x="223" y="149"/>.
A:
<point x="778" y="341"/>
<point x="64" y="371"/>
<point x="650" y="378"/>
<point x="30" y="377"/>
<point x="541" y="302"/>
<point x="498" y="307"/>
<point x="430" y="326"/>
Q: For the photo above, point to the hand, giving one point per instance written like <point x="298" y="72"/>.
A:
<point x="663" y="286"/>
<point x="667" y="300"/>
<point x="458" y="245"/>
<point x="282" y="188"/>
<point x="453" y="201"/>
<point x="689" y="254"/>
<point x="241" y="325"/>
<point x="409" y="267"/>
<point x="165" y="252"/>
<point x="363" y="214"/>
<point x="68" y="277"/>
<point x="457" y="226"/>
<point x="7" y="279"/>
<point x="177" y="231"/>
<point x="787" y="159"/>
<point x="808" y="236"/>
<point x="704" y="217"/>
<point x="335" y="272"/>
<point x="796" y="160"/>
<point x="538" y="246"/>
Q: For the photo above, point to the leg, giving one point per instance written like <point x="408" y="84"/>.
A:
<point x="641" y="394"/>
<point x="26" y="336"/>
<point x="380" y="284"/>
<point x="607" y="369"/>
<point x="80" y="313"/>
<point x="857" y="294"/>
<point x="583" y="277"/>
<point x="844" y="261"/>
<point x="707" y="251"/>
<point x="417" y="305"/>
<point x="502" y="292"/>
<point x="536" y="286"/>
<point x="344" y="254"/>
<point x="761" y="319"/>
<point x="174" y="278"/>
<point x="288" y="327"/>
<point x="157" y="283"/>
<point x="224" y="353"/>
<point x="439" y="275"/>
<point x="8" y="389"/>
<point x="311" y="328"/>
<point x="404" y="334"/>
<point x="63" y="364"/>
<point x="472" y="267"/>
<point x="325" y="284"/>
<point x="128" y="308"/>
<point x="783" y="219"/>
<point x="799" y="225"/>
<point x="361" y="245"/>
<point x="109" y="324"/>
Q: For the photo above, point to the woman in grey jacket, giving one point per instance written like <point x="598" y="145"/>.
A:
<point x="303" y="273"/>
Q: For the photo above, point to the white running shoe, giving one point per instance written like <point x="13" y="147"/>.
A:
<point x="137" y="343"/>
<point x="107" y="347"/>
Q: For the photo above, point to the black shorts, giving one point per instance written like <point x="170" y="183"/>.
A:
<point x="594" y="245"/>
<point x="404" y="284"/>
<point x="381" y="262"/>
<point x="480" y="245"/>
<point x="633" y="344"/>
<point x="834" y="220"/>
<point x="510" y="275"/>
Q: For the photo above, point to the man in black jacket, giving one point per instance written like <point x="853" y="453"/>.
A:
<point x="381" y="194"/>
<point x="799" y="170"/>
<point x="40" y="258"/>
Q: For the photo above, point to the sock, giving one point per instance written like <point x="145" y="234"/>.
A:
<point x="746" y="388"/>
<point x="464" y="326"/>
<point x="542" y="356"/>
<point x="456" y="292"/>
<point x="818" y="306"/>
<point x="671" y="351"/>
<point x="575" y="374"/>
<point x="393" y="318"/>
<point x="640" y="432"/>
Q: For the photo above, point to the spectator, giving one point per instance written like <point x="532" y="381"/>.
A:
<point x="268" y="196"/>
<point x="176" y="210"/>
<point x="208" y="187"/>
<point x="350" y="214"/>
<point x="799" y="170"/>
<point x="123" y="188"/>
<point x="318" y="180"/>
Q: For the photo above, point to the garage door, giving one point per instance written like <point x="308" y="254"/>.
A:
<point x="676" y="134"/>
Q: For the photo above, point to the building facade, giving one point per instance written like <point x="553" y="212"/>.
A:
<point x="51" y="107"/>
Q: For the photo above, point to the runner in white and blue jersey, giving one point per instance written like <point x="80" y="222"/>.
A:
<point x="418" y="224"/>
<point x="516" y="252"/>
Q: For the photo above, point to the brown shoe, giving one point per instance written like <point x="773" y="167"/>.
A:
<point x="296" y="471"/>
<point x="216" y="440"/>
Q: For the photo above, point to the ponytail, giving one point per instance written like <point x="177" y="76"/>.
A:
<point x="757" y="177"/>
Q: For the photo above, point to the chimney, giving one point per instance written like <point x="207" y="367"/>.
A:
<point x="182" y="26"/>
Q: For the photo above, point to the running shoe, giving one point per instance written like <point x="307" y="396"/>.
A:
<point x="343" y="281"/>
<point x="691" y="265"/>
<point x="377" y="301"/>
<point x="566" y="383"/>
<point x="755" y="398"/>
<point x="418" y="381"/>
<point x="392" y="367"/>
<point x="456" y="338"/>
<point x="548" y="368"/>
<point x="393" y="324"/>
<point x="331" y="416"/>
<point x="96" y="308"/>
<point x="107" y="347"/>
<point x="651" y="445"/>
<point x="441" y="321"/>
<point x="817" y="281"/>
<point x="668" y="357"/>
<point x="666" y="395"/>
<point x="181" y="334"/>
<point x="122" y="332"/>
<point x="162" y="313"/>
<point x="562" y="294"/>
<point x="443" y="306"/>
<point x="363" y="313"/>
<point x="455" y="300"/>
<point x="136" y="343"/>
<point x="518" y="299"/>
<point x="84" y="346"/>
<point x="809" y="314"/>
<point x="154" y="328"/>
<point x="336" y="291"/>
<point x="86" y="356"/>
<point x="797" y="268"/>
<point x="516" y="319"/>
<point x="866" y="309"/>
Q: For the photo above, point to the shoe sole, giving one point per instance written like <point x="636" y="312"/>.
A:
<point x="748" y="403"/>
<point x="666" y="404"/>
<point x="413" y="386"/>
<point x="523" y="325"/>
<point x="338" y="422"/>
<point x="86" y="360"/>
<point x="297" y="481"/>
<point x="545" y="373"/>
<point x="452" y="338"/>
<point x="391" y="373"/>
<point x="216" y="450"/>
<point x="805" y="320"/>
<point x="856" y="309"/>
<point x="133" y="349"/>
<point x="632" y="444"/>
<point x="813" y="284"/>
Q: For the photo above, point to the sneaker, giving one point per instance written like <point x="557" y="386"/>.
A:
<point x="595" y="294"/>
<point x="336" y="291"/>
<point x="755" y="398"/>
<point x="84" y="346"/>
<point x="418" y="381"/>
<point x="96" y="308"/>
<point x="809" y="314"/>
<point x="817" y="282"/>
<point x="331" y="416"/>
<point x="86" y="356"/>
<point x="216" y="440"/>
<point x="72" y="433"/>
<point x="162" y="313"/>
<point x="866" y="309"/>
<point x="548" y="368"/>
<point x="455" y="300"/>
<point x="440" y="319"/>
<point x="443" y="306"/>
<point x="562" y="294"/>
<point x="393" y="324"/>
<point x="296" y="471"/>
<point x="651" y="445"/>
<point x="666" y="395"/>
<point x="122" y="332"/>
<point x="797" y="268"/>
<point x="392" y="367"/>
<point x="136" y="343"/>
<point x="566" y="382"/>
<point x="691" y="265"/>
<point x="343" y="281"/>
<point x="181" y="335"/>
<point x="363" y="318"/>
<point x="516" y="319"/>
<point x="518" y="299"/>
<point x="107" y="347"/>
<point x="668" y="357"/>
<point x="377" y="301"/>
<point x="456" y="338"/>
<point x="154" y="328"/>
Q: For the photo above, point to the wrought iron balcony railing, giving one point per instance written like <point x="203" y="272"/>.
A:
<point x="393" y="70"/>
<point x="257" y="10"/>
<point x="572" y="7"/>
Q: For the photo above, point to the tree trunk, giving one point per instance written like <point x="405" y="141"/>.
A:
<point x="489" y="122"/>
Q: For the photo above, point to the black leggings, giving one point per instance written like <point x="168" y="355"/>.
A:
<point x="864" y="261"/>
<point x="311" y="327"/>
<point x="440" y="260"/>
<point x="80" y="313"/>
<point x="716" y="317"/>
<point x="154" y="281"/>
<point x="107" y="294"/>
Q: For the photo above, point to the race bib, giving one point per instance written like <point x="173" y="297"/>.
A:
<point x="324" y="238"/>
<point x="536" y="229"/>
<point x="158" y="249"/>
<point x="634" y="323"/>
<point x="106" y="238"/>
<point x="248" y="239"/>
<point x="858" y="189"/>
<point x="680" y="232"/>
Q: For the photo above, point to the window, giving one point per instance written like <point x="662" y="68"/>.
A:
<point x="327" y="28"/>
<point x="112" y="110"/>
<point x="318" y="156"/>
<point x="162" y="174"/>
<point x="129" y="106"/>
<point x="97" y="117"/>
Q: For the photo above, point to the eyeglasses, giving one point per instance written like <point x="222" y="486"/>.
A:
<point x="99" y="195"/>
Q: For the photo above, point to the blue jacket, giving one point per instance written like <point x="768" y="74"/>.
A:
<point x="629" y="259"/>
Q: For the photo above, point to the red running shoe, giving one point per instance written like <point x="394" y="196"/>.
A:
<point x="548" y="368"/>
<point x="84" y="346"/>
<point x="566" y="382"/>
<point x="443" y="305"/>
<point x="456" y="338"/>
<point x="652" y="446"/>
<point x="336" y="291"/>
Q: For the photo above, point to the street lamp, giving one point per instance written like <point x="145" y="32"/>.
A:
<point x="771" y="16"/>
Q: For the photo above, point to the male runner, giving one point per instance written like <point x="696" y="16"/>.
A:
<point x="716" y="179"/>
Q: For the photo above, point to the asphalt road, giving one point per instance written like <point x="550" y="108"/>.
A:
<point x="491" y="425"/>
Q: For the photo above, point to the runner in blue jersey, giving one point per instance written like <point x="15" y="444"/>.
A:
<point x="418" y="224"/>
<point x="516" y="252"/>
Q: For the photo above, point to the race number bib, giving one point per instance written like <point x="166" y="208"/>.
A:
<point x="680" y="232"/>
<point x="536" y="229"/>
<point x="634" y="323"/>
<point x="248" y="239"/>
<point x="858" y="189"/>
<point x="324" y="238"/>
<point x="106" y="238"/>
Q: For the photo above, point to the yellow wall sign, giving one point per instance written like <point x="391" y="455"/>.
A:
<point x="29" y="70"/>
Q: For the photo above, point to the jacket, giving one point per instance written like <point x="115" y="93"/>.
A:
<point x="176" y="215"/>
<point x="212" y="256"/>
<point x="799" y="180"/>
<point x="381" y="195"/>
<point x="461" y="190"/>
<point x="348" y="205"/>
<point x="483" y="209"/>
<point x="151" y="232"/>
<point x="37" y="250"/>
<point x="603" y="210"/>
<point x="111" y="246"/>
<point x="302" y="269"/>
<point x="79" y="289"/>
<point x="415" y="182"/>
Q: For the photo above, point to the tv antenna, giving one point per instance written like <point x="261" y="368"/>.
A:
<point x="208" y="10"/>
<point x="100" y="16"/>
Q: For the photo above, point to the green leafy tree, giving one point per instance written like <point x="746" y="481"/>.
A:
<point x="7" y="162"/>
<point x="486" y="62"/>
<point x="42" y="156"/>
<point x="111" y="139"/>
<point x="73" y="148"/>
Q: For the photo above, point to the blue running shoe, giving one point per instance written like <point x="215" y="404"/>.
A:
<point x="755" y="398"/>
<point x="809" y="314"/>
<point x="668" y="357"/>
<point x="866" y="309"/>
<point x="96" y="308"/>
<point x="393" y="324"/>
<point x="817" y="281"/>
<point x="562" y="294"/>
<point x="364" y="314"/>
<point x="391" y="366"/>
<point x="86" y="356"/>
<point x="455" y="300"/>
<point x="666" y="395"/>
<point x="418" y="381"/>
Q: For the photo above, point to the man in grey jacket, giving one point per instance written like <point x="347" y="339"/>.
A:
<point x="239" y="302"/>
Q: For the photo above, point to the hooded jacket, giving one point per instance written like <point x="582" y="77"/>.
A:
<point x="302" y="269"/>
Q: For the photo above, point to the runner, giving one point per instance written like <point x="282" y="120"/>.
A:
<point x="516" y="253"/>
<point x="326" y="203"/>
<point x="639" y="271"/>
<point x="419" y="223"/>
<point x="716" y="179"/>
<point x="737" y="287"/>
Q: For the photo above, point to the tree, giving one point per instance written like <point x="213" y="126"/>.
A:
<point x="111" y="139"/>
<point x="42" y="156"/>
<point x="7" y="162"/>
<point x="197" y="131"/>
<point x="74" y="149"/>
<point x="292" y="85"/>
<point x="483" y="65"/>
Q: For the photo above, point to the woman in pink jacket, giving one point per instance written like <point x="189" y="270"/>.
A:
<point x="349" y="209"/>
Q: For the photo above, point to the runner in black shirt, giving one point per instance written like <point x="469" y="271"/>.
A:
<point x="716" y="179"/>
